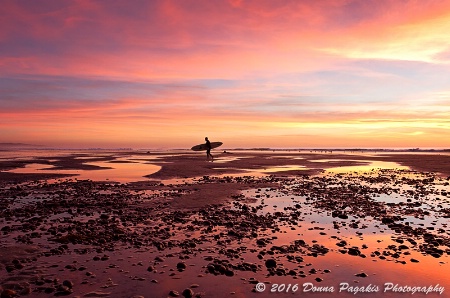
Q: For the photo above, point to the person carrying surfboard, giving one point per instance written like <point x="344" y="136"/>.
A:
<point x="208" y="149"/>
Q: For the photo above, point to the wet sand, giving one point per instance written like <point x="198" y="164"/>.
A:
<point x="249" y="220"/>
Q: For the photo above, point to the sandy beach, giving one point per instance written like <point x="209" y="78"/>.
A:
<point x="249" y="224"/>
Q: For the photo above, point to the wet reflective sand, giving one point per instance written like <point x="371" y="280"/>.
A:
<point x="373" y="226"/>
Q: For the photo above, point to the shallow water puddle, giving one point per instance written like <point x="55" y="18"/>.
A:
<point x="369" y="165"/>
<point x="264" y="171"/>
<point x="122" y="171"/>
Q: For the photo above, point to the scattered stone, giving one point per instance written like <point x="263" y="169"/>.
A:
<point x="188" y="293"/>
<point x="181" y="266"/>
<point x="271" y="263"/>
<point x="229" y="273"/>
<point x="68" y="284"/>
<point x="353" y="251"/>
<point x="7" y="293"/>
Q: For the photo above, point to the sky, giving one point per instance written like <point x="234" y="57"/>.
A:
<point x="249" y="73"/>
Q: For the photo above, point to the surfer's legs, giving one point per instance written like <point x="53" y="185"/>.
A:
<point x="208" y="154"/>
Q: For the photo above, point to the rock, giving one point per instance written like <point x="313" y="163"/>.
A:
<point x="362" y="274"/>
<point x="354" y="251"/>
<point x="68" y="284"/>
<point x="63" y="291"/>
<point x="220" y="268"/>
<point x="174" y="293"/>
<point x="210" y="268"/>
<point x="181" y="266"/>
<point x="159" y="259"/>
<point x="229" y="273"/>
<point x="25" y="291"/>
<point x="8" y="293"/>
<point x="387" y="220"/>
<point x="342" y="243"/>
<point x="188" y="293"/>
<point x="271" y="263"/>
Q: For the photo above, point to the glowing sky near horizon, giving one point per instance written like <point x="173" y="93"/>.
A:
<point x="165" y="74"/>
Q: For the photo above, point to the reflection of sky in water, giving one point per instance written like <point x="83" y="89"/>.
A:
<point x="225" y="159"/>
<point x="266" y="170"/>
<point x="364" y="168"/>
<point x="122" y="172"/>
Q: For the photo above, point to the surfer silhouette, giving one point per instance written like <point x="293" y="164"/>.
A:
<point x="208" y="149"/>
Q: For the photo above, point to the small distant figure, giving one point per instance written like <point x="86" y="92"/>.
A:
<point x="208" y="149"/>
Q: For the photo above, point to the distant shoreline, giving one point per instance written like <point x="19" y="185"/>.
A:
<point x="25" y="147"/>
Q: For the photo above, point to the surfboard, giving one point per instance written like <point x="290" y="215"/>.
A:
<point x="203" y="147"/>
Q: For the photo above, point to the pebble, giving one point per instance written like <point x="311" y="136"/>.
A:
<point x="271" y="263"/>
<point x="353" y="251"/>
<point x="181" y="266"/>
<point x="7" y="293"/>
<point x="188" y="293"/>
<point x="68" y="284"/>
